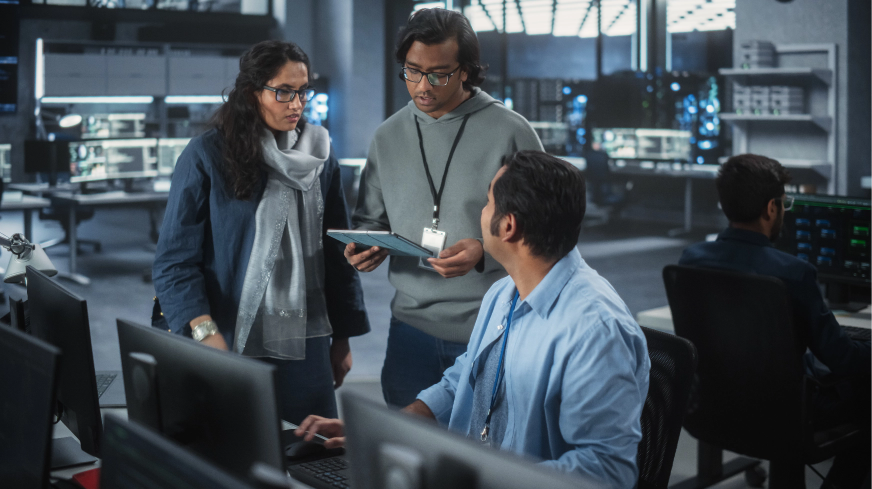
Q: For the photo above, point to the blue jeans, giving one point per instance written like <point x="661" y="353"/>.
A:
<point x="414" y="362"/>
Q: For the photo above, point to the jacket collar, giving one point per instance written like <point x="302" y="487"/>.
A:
<point x="752" y="237"/>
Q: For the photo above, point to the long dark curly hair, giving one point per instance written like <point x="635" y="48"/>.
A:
<point x="238" y="120"/>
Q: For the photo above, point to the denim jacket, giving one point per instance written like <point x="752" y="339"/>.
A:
<point x="206" y="240"/>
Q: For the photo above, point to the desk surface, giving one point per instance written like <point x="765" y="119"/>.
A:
<point x="26" y="202"/>
<point x="661" y="318"/>
<point x="112" y="198"/>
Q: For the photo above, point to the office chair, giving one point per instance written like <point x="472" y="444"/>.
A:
<point x="751" y="394"/>
<point x="61" y="214"/>
<point x="607" y="192"/>
<point x="673" y="364"/>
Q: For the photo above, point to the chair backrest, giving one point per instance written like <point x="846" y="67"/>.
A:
<point x="673" y="363"/>
<point x="747" y="397"/>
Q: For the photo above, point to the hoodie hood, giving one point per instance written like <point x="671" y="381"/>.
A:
<point x="478" y="101"/>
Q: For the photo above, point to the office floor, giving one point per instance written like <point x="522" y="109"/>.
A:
<point x="630" y="255"/>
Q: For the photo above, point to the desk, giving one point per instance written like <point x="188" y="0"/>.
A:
<point x="59" y="430"/>
<point x="39" y="189"/>
<point x="107" y="199"/>
<point x="689" y="172"/>
<point x="660" y="318"/>
<point x="27" y="204"/>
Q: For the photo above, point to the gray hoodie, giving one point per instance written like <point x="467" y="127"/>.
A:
<point x="395" y="196"/>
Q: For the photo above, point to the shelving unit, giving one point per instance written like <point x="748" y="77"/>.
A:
<point x="804" y="143"/>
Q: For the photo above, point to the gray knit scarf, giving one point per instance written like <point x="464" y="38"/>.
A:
<point x="282" y="300"/>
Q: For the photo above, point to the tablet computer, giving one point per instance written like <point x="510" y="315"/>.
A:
<point x="394" y="243"/>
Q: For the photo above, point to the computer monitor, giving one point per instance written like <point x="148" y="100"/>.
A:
<point x="109" y="159"/>
<point x="6" y="162"/>
<point x="645" y="144"/>
<point x="386" y="445"/>
<point x="28" y="377"/>
<point x="138" y="457"/>
<point x="102" y="126"/>
<point x="833" y="234"/>
<point x="59" y="317"/>
<point x="168" y="152"/>
<point x="220" y="405"/>
<point x="49" y="157"/>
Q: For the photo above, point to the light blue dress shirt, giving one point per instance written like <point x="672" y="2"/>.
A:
<point x="576" y="372"/>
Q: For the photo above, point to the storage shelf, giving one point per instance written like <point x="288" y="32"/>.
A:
<point x="822" y="122"/>
<point x="775" y="76"/>
<point x="821" y="168"/>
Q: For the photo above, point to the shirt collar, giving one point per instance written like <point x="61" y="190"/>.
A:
<point x="752" y="237"/>
<point x="545" y="294"/>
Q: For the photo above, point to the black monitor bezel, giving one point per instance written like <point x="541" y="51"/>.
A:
<point x="47" y="357"/>
<point x="63" y="322"/>
<point x="184" y="367"/>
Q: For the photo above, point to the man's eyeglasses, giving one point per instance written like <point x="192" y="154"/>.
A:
<point x="435" y="79"/>
<point x="787" y="201"/>
<point x="286" y="96"/>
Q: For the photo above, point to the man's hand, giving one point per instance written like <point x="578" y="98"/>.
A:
<point x="340" y="360"/>
<point x="366" y="260"/>
<point x="418" y="408"/>
<point x="333" y="429"/>
<point x="458" y="260"/>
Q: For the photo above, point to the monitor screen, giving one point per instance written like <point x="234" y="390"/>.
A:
<point x="103" y="126"/>
<point x="644" y="144"/>
<point x="112" y="158"/>
<point x="138" y="457"/>
<point x="832" y="233"/>
<point x="168" y="152"/>
<point x="6" y="162"/>
<point x="28" y="375"/>
<point x="59" y="317"/>
<point x="386" y="445"/>
<point x="219" y="405"/>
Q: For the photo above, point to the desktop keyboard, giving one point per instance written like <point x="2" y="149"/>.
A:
<point x="332" y="472"/>
<point x="103" y="381"/>
<point x="857" y="333"/>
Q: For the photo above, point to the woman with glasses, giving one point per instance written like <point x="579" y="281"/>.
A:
<point x="242" y="263"/>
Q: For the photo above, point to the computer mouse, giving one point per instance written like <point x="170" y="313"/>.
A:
<point x="303" y="449"/>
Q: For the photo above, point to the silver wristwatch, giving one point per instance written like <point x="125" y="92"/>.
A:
<point x="204" y="329"/>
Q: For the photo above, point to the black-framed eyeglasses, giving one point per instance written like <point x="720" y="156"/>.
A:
<point x="435" y="79"/>
<point x="285" y="96"/>
<point x="787" y="202"/>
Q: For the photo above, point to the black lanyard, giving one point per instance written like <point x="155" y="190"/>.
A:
<point x="437" y="196"/>
<point x="486" y="430"/>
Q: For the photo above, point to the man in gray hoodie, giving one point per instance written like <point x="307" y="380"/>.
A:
<point x="428" y="168"/>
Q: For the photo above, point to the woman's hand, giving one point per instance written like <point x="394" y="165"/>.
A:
<point x="340" y="360"/>
<point x="215" y="341"/>
<point x="333" y="429"/>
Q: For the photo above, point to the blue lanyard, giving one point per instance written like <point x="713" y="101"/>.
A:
<point x="490" y="409"/>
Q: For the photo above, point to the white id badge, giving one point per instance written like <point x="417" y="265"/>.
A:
<point x="434" y="241"/>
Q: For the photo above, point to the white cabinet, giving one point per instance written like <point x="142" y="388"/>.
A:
<point x="196" y="75"/>
<point x="136" y="75"/>
<point x="75" y="75"/>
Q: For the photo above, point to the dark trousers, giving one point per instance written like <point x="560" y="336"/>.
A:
<point x="306" y="386"/>
<point x="848" y="400"/>
<point x="414" y="361"/>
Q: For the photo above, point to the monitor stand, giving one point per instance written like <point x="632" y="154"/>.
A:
<point x="839" y="297"/>
<point x="66" y="452"/>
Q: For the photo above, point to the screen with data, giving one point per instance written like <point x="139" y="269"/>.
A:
<point x="830" y="232"/>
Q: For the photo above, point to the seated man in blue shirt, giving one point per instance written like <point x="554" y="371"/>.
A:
<point x="556" y="367"/>
<point x="751" y="192"/>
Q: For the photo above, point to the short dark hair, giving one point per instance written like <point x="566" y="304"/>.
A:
<point x="547" y="197"/>
<point x="435" y="26"/>
<point x="746" y="183"/>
